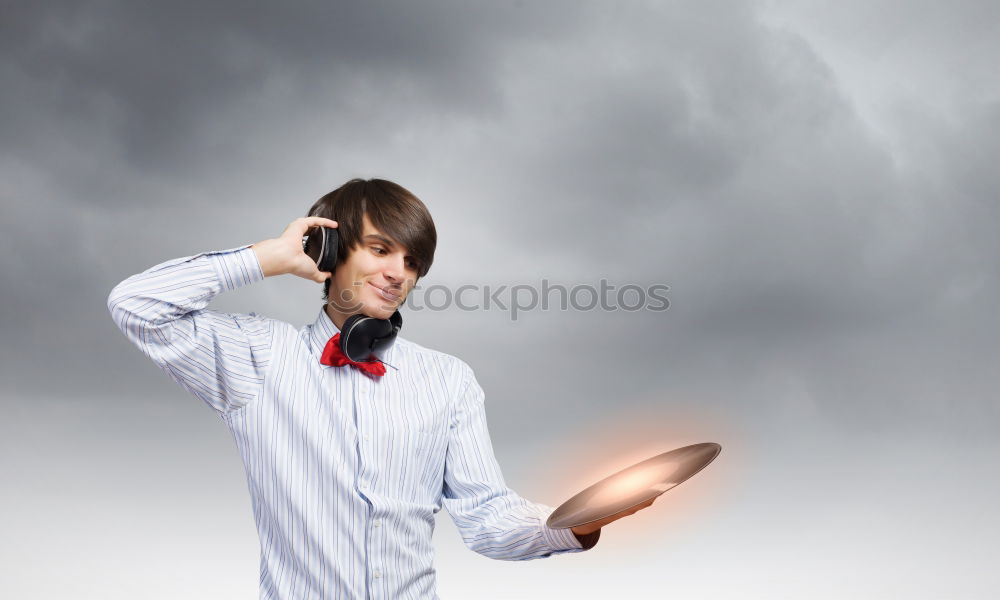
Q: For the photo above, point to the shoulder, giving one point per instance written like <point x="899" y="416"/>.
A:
<point x="253" y="323"/>
<point x="442" y="362"/>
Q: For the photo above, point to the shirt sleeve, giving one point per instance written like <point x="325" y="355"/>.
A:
<point x="221" y="358"/>
<point x="493" y="519"/>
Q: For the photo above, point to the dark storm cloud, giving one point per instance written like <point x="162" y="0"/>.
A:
<point x="171" y="84"/>
<point x="695" y="146"/>
<point x="806" y="253"/>
<point x="118" y="109"/>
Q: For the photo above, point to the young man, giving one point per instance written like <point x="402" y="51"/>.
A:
<point x="346" y="468"/>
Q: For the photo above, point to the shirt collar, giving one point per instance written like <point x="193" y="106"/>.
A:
<point x="321" y="331"/>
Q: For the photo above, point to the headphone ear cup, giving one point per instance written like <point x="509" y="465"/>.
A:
<point x="331" y="242"/>
<point x="385" y="336"/>
<point x="322" y="245"/>
<point x="355" y="339"/>
<point x="363" y="336"/>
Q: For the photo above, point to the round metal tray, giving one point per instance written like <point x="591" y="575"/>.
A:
<point x="634" y="485"/>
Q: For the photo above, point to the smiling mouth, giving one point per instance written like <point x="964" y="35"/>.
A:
<point x="387" y="295"/>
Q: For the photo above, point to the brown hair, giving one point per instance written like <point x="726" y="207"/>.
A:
<point x="390" y="207"/>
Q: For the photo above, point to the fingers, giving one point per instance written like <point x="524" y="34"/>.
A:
<point x="635" y="509"/>
<point x="313" y="221"/>
<point x="621" y="515"/>
<point x="645" y="504"/>
<point x="308" y="222"/>
<point x="301" y="225"/>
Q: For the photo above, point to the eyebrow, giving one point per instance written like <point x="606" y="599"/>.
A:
<point x="382" y="239"/>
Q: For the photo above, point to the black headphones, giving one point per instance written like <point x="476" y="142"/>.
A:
<point x="362" y="337"/>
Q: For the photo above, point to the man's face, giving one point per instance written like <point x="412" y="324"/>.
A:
<point x="375" y="278"/>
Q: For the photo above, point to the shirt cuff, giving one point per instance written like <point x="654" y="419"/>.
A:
<point x="236" y="267"/>
<point x="565" y="539"/>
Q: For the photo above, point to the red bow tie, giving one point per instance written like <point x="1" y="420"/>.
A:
<point x="333" y="356"/>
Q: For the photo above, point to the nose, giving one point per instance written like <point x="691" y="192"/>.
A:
<point x="395" y="268"/>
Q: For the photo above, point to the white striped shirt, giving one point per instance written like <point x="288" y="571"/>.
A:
<point x="345" y="471"/>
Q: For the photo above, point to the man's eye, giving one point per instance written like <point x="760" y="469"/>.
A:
<point x="378" y="250"/>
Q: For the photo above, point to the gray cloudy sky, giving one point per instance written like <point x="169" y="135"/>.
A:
<point x="814" y="181"/>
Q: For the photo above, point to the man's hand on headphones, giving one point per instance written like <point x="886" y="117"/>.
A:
<point x="284" y="254"/>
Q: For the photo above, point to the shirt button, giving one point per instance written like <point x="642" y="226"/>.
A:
<point x="366" y="437"/>
<point x="377" y="573"/>
<point x="378" y="523"/>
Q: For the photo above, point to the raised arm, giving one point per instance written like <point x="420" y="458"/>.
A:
<point x="221" y="358"/>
